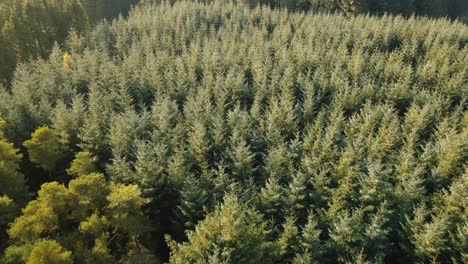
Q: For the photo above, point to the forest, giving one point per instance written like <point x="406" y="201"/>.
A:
<point x="324" y="131"/>
<point x="30" y="28"/>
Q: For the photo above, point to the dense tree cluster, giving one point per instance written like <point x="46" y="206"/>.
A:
<point x="216" y="133"/>
<point x="107" y="9"/>
<point x="454" y="9"/>
<point x="91" y="221"/>
<point x="14" y="192"/>
<point x="30" y="28"/>
<point x="450" y="8"/>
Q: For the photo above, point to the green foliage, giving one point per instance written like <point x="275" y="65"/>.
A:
<point x="247" y="135"/>
<point x="436" y="236"/>
<point x="83" y="164"/>
<point x="14" y="192"/>
<point x="107" y="9"/>
<point x="91" y="218"/>
<point x="450" y="8"/>
<point x="68" y="120"/>
<point x="288" y="242"/>
<point x="29" y="29"/>
<point x="124" y="207"/>
<point x="12" y="182"/>
<point x="351" y="6"/>
<point x="233" y="233"/>
<point x="310" y="248"/>
<point x="7" y="210"/>
<point x="44" y="148"/>
<point x="3" y="125"/>
<point x="48" y="252"/>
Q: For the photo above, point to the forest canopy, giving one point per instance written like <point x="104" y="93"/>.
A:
<point x="220" y="133"/>
<point x="30" y="28"/>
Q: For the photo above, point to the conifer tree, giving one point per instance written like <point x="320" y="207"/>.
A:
<point x="199" y="145"/>
<point x="14" y="192"/>
<point x="272" y="201"/>
<point x="233" y="233"/>
<point x="193" y="200"/>
<point x="92" y="133"/>
<point x="28" y="29"/>
<point x="310" y="248"/>
<point x="68" y="121"/>
<point x="242" y="161"/>
<point x="288" y="242"/>
<point x="326" y="130"/>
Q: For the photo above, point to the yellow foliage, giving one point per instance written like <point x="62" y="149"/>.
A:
<point x="65" y="60"/>
<point x="2" y="128"/>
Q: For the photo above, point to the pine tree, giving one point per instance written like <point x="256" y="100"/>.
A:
<point x="232" y="233"/>
<point x="199" y="145"/>
<point x="242" y="160"/>
<point x="30" y="29"/>
<point x="326" y="129"/>
<point x="288" y="242"/>
<point x="194" y="199"/>
<point x="310" y="244"/>
<point x="298" y="193"/>
<point x="93" y="131"/>
<point x="272" y="201"/>
<point x="68" y="121"/>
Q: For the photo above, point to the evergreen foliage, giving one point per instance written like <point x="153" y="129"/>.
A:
<point x="248" y="135"/>
<point x="30" y="28"/>
<point x="231" y="234"/>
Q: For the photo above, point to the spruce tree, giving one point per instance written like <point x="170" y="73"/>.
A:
<point x="233" y="233"/>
